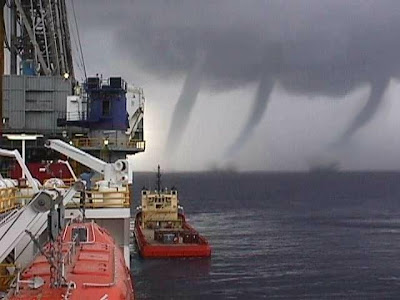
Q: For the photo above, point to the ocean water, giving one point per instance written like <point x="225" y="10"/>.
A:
<point x="282" y="236"/>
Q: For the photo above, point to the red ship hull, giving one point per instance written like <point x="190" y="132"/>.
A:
<point x="147" y="249"/>
<point x="42" y="171"/>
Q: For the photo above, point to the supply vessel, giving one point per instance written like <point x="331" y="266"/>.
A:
<point x="161" y="229"/>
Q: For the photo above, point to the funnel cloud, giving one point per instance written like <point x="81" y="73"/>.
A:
<point x="378" y="88"/>
<point x="259" y="106"/>
<point x="186" y="101"/>
<point x="313" y="48"/>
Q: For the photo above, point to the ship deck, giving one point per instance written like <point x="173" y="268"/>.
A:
<point x="149" y="236"/>
<point x="151" y="248"/>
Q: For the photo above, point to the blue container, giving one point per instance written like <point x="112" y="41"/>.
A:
<point x="28" y="68"/>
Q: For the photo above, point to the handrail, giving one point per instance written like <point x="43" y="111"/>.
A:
<point x="5" y="277"/>
<point x="96" y="142"/>
<point x="94" y="284"/>
<point x="104" y="199"/>
<point x="71" y="251"/>
<point x="8" y="199"/>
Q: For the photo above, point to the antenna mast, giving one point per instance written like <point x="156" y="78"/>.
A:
<point x="159" y="179"/>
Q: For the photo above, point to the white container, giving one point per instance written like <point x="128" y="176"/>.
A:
<point x="109" y="195"/>
<point x="54" y="183"/>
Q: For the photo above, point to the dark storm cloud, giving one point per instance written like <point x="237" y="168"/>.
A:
<point x="312" y="47"/>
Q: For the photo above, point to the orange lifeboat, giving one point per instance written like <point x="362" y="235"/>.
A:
<point x="83" y="263"/>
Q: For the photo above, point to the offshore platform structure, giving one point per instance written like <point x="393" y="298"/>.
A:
<point x="42" y="99"/>
<point x="40" y="71"/>
<point x="41" y="96"/>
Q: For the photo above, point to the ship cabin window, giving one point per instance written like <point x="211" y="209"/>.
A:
<point x="106" y="107"/>
<point x="81" y="234"/>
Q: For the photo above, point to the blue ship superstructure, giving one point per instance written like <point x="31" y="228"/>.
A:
<point x="106" y="104"/>
<point x="110" y="113"/>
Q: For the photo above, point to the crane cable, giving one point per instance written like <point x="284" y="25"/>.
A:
<point x="79" y="39"/>
<point x="77" y="57"/>
<point x="76" y="52"/>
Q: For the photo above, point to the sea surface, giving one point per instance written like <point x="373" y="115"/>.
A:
<point x="282" y="236"/>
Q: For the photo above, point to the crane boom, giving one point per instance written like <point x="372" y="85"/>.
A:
<point x="15" y="154"/>
<point x="115" y="173"/>
<point x="65" y="162"/>
<point x="76" y="154"/>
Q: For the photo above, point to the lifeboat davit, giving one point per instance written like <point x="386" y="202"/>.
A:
<point x="89" y="266"/>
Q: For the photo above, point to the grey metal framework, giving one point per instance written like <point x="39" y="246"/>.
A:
<point x="33" y="101"/>
<point x="32" y="104"/>
<point x="39" y="32"/>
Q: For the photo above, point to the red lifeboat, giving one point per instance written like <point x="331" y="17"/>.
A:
<point x="90" y="266"/>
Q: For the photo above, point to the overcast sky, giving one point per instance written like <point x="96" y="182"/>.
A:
<point x="255" y="85"/>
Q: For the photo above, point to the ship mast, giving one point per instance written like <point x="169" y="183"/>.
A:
<point x="159" y="180"/>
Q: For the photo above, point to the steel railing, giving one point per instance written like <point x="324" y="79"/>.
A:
<point x="8" y="199"/>
<point x="110" y="142"/>
<point x="11" y="198"/>
<point x="104" y="199"/>
<point x="5" y="277"/>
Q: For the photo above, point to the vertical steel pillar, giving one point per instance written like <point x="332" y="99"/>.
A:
<point x="13" y="37"/>
<point x="23" y="145"/>
<point x="2" y="3"/>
